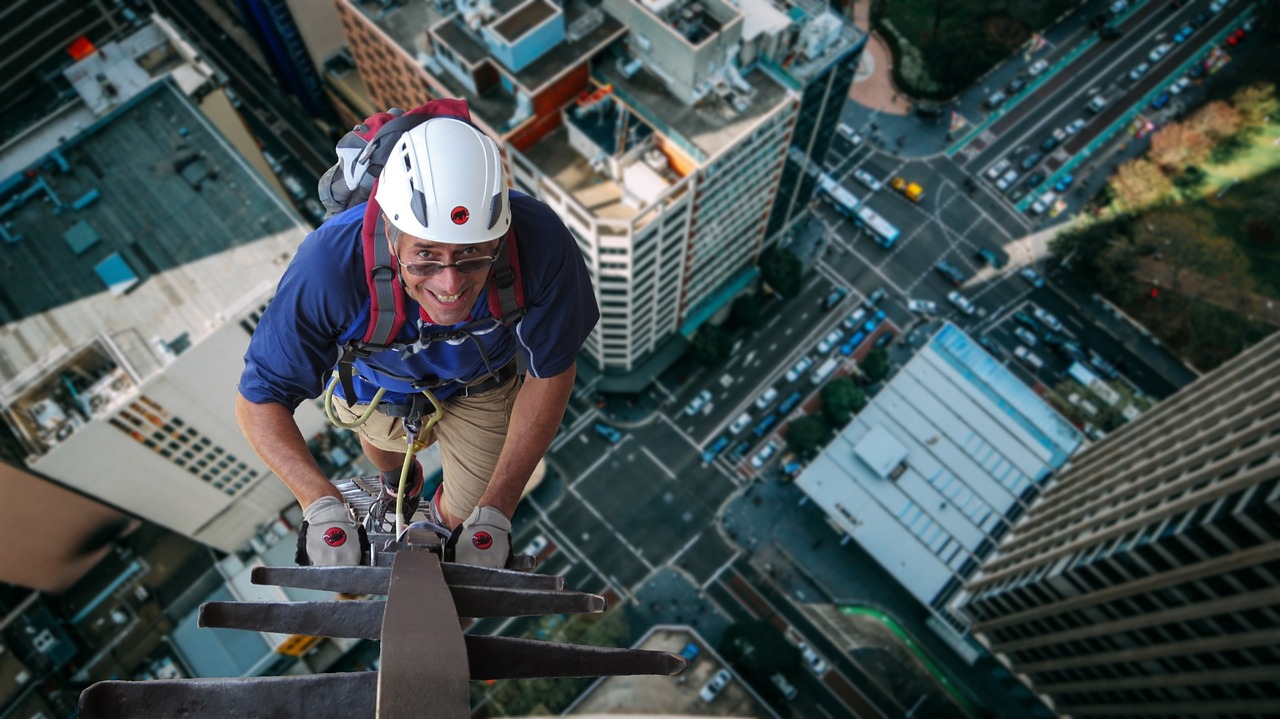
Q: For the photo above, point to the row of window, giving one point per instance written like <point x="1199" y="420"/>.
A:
<point x="154" y="427"/>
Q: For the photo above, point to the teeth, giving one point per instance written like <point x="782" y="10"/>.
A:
<point x="447" y="298"/>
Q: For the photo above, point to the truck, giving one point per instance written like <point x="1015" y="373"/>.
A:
<point x="910" y="190"/>
<point x="825" y="370"/>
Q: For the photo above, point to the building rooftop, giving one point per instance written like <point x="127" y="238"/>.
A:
<point x="144" y="227"/>
<point x="705" y="129"/>
<point x="925" y="475"/>
<point x="588" y="31"/>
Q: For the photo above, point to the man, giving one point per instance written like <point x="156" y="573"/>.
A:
<point x="445" y="211"/>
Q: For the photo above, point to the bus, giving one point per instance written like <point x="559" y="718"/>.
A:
<point x="884" y="233"/>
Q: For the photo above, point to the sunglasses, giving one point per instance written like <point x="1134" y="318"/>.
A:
<point x="428" y="268"/>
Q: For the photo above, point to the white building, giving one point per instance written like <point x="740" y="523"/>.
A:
<point x="935" y="469"/>
<point x="657" y="129"/>
<point x="139" y="249"/>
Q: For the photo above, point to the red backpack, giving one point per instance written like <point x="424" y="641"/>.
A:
<point x="362" y="153"/>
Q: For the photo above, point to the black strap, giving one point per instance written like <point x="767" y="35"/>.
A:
<point x="510" y="311"/>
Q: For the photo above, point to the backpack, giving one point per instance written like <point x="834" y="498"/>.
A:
<point x="362" y="153"/>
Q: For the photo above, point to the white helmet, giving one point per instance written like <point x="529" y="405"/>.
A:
<point x="444" y="182"/>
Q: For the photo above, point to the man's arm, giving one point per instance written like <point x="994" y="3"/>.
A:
<point x="274" y="435"/>
<point x="535" y="418"/>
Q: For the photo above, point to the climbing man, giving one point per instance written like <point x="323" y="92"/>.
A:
<point x="451" y="237"/>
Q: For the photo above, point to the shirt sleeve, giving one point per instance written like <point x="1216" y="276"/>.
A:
<point x="295" y="344"/>
<point x="560" y="303"/>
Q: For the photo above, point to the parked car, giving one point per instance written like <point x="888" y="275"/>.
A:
<point x="1043" y="203"/>
<point x="995" y="99"/>
<point x="847" y="348"/>
<point x="743" y="420"/>
<point x="923" y="307"/>
<point x="833" y="298"/>
<point x="1031" y="160"/>
<point x="995" y="171"/>
<point x="1183" y="33"/>
<point x="1026" y="320"/>
<point x="717" y="683"/>
<point x="1179" y="85"/>
<point x="1015" y="86"/>
<point x="715" y="449"/>
<point x="697" y="403"/>
<point x="1074" y="126"/>
<point x="1038" y="67"/>
<point x="764" y="425"/>
<point x="953" y="275"/>
<point x="798" y="369"/>
<point x="867" y="180"/>
<point x="1035" y="179"/>
<point x="789" y="403"/>
<point x="767" y="398"/>
<point x="1028" y="357"/>
<point x="1063" y="183"/>
<point x="690" y="652"/>
<point x="787" y="689"/>
<point x="611" y="435"/>
<point x="1030" y="275"/>
<point x="962" y="303"/>
<point x="1027" y="336"/>
<point x="1110" y="32"/>
<point x="876" y="297"/>
<point x="849" y="134"/>
<point x="1139" y="71"/>
<point x="1159" y="51"/>
<point x="1047" y="319"/>
<point x="830" y="341"/>
<point x="812" y="660"/>
<point x="1107" y="369"/>
<point x="766" y="453"/>
<point x="884" y="340"/>
<point x="1161" y="101"/>
<point x="855" y="318"/>
<point x="990" y="257"/>
<point x="1096" y="103"/>
<point x="1007" y="181"/>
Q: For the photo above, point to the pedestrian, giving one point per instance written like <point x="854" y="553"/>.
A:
<point x="442" y="206"/>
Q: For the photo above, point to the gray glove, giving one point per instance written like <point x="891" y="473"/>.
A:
<point x="484" y="539"/>
<point x="329" y="536"/>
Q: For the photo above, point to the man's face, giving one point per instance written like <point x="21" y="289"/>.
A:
<point x="449" y="295"/>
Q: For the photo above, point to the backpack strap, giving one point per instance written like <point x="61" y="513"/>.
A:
<point x="506" y="296"/>
<point x="386" y="299"/>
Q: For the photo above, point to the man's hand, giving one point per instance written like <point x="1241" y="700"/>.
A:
<point x="484" y="539"/>
<point x="329" y="536"/>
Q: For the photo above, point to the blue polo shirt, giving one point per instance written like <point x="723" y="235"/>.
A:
<point x="323" y="300"/>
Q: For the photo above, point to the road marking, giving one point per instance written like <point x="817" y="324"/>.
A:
<point x="737" y="553"/>
<point x="658" y="462"/>
<point x="586" y="472"/>
<point x="621" y="539"/>
<point x="683" y="549"/>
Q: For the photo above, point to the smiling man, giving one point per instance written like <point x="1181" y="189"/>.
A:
<point x="444" y="210"/>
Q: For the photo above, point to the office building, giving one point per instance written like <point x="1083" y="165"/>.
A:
<point x="139" y="249"/>
<point x="1145" y="580"/>
<point x="657" y="129"/>
<point x="934" y="470"/>
<point x="276" y="33"/>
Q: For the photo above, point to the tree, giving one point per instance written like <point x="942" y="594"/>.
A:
<point x="757" y="648"/>
<point x="711" y="345"/>
<point x="1191" y="179"/>
<point x="1138" y="184"/>
<point x="876" y="365"/>
<point x="1215" y="120"/>
<point x="808" y="434"/>
<point x="1176" y="147"/>
<point x="841" y="398"/>
<point x="781" y="270"/>
<point x="745" y="311"/>
<point x="1256" y="104"/>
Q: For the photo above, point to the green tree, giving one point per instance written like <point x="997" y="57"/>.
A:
<point x="745" y="312"/>
<point x="1256" y="104"/>
<point x="781" y="270"/>
<point x="758" y="649"/>
<point x="550" y="696"/>
<point x="841" y="398"/>
<point x="808" y="434"/>
<point x="876" y="365"/>
<point x="711" y="345"/>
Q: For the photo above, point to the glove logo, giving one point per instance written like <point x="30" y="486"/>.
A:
<point x="482" y="540"/>
<point x="335" y="537"/>
<point x="459" y="215"/>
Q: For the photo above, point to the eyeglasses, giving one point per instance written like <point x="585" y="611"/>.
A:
<point x="469" y="266"/>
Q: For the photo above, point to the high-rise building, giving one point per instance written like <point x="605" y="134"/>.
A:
<point x="1145" y="580"/>
<point x="273" y="28"/>
<point x="138" y="250"/>
<point x="657" y="129"/>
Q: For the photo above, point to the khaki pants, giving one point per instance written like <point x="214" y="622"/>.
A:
<point x="471" y="434"/>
